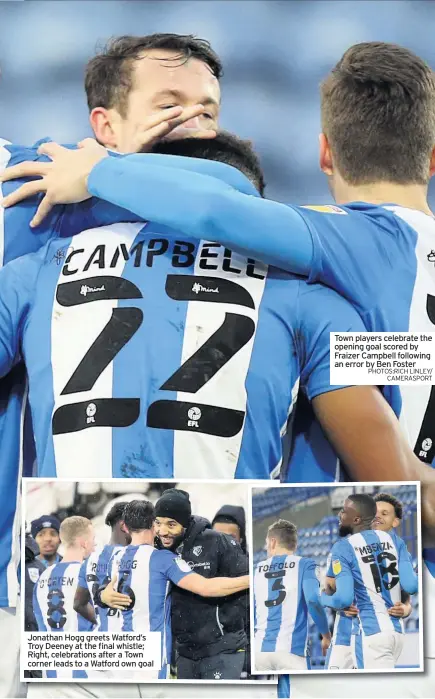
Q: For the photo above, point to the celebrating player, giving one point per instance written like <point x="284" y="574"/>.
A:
<point x="143" y="574"/>
<point x="372" y="567"/>
<point x="53" y="595"/>
<point x="96" y="571"/>
<point x="139" y="90"/>
<point x="128" y="287"/>
<point x="346" y="635"/>
<point x="391" y="88"/>
<point x="286" y="588"/>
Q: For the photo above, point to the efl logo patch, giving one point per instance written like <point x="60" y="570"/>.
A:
<point x="33" y="574"/>
<point x="327" y="209"/>
<point x="336" y="567"/>
<point x="183" y="566"/>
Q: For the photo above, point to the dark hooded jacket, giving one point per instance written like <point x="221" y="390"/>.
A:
<point x="237" y="514"/>
<point x="205" y="626"/>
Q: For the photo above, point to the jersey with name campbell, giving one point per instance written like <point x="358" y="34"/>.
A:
<point x="372" y="558"/>
<point x="144" y="574"/>
<point x="281" y="611"/>
<point x="153" y="356"/>
<point x="96" y="572"/>
<point x="53" y="605"/>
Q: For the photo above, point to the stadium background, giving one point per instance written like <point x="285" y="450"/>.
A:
<point x="274" y="52"/>
<point x="314" y="511"/>
<point x="94" y="500"/>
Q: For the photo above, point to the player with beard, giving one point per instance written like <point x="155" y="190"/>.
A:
<point x="143" y="574"/>
<point x="371" y="567"/>
<point x="210" y="638"/>
<point x="346" y="641"/>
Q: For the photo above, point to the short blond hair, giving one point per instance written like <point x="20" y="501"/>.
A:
<point x="73" y="527"/>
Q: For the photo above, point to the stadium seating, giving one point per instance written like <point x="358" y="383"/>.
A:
<point x="316" y="542"/>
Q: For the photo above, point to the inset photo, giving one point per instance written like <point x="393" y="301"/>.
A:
<point x="135" y="581"/>
<point x="337" y="583"/>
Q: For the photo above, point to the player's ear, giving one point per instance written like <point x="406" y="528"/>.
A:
<point x="432" y="164"/>
<point x="325" y="156"/>
<point x="103" y="123"/>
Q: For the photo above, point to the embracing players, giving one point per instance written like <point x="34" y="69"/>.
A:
<point x="371" y="567"/>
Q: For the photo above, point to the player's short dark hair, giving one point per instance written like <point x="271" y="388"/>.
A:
<point x="225" y="148"/>
<point x="286" y="532"/>
<point x="378" y="113"/>
<point x="138" y="515"/>
<point x="395" y="502"/>
<point x="109" y="75"/>
<point x="365" y="504"/>
<point x="115" y="514"/>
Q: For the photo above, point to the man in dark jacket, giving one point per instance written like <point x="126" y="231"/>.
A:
<point x="231" y="520"/>
<point x="209" y="634"/>
<point x="32" y="570"/>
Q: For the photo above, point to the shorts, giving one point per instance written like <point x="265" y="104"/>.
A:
<point x="280" y="661"/>
<point x="341" y="657"/>
<point x="380" y="650"/>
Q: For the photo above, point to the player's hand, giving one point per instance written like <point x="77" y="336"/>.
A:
<point x="351" y="611"/>
<point x="329" y="585"/>
<point x="399" y="610"/>
<point x="326" y="642"/>
<point x="63" y="180"/>
<point x="114" y="599"/>
<point x="168" y="124"/>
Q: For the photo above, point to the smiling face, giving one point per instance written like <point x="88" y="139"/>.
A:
<point x="168" y="530"/>
<point x="160" y="79"/>
<point x="386" y="518"/>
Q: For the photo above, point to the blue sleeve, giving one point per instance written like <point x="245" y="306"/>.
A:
<point x="407" y="577"/>
<point x="200" y="205"/>
<point x="82" y="575"/>
<point x="311" y="590"/>
<point x="17" y="287"/>
<point x="342" y="569"/>
<point x="18" y="238"/>
<point x="348" y="241"/>
<point x="322" y="311"/>
<point x="173" y="567"/>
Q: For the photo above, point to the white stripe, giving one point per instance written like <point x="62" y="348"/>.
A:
<point x="4" y="159"/>
<point x="201" y="455"/>
<point x="379" y="607"/>
<point x="73" y="330"/>
<point x="290" y="605"/>
<point x="12" y="568"/>
<point x="260" y="596"/>
<point x="275" y="473"/>
<point x="415" y="398"/>
<point x="140" y="584"/>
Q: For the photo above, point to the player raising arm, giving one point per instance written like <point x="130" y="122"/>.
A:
<point x="376" y="252"/>
<point x="142" y="574"/>
<point x="292" y="323"/>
